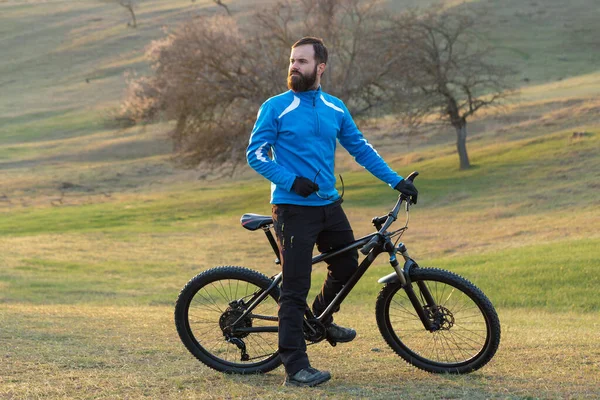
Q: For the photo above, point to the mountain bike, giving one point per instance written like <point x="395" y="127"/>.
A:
<point x="434" y="319"/>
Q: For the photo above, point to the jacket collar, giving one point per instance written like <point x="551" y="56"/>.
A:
<point x="309" y="94"/>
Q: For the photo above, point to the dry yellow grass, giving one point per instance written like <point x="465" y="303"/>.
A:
<point x="83" y="351"/>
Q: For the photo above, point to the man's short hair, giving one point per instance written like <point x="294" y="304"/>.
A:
<point x="318" y="45"/>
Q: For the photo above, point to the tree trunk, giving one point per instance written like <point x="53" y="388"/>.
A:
<point x="220" y="3"/>
<point x="461" y="145"/>
<point x="178" y="132"/>
<point x="130" y="8"/>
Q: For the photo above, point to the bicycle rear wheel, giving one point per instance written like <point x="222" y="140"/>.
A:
<point x="208" y="306"/>
<point x="467" y="332"/>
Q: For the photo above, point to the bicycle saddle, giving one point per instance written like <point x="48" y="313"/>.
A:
<point x="253" y="222"/>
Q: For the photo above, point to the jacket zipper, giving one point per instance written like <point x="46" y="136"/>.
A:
<point x="316" y="115"/>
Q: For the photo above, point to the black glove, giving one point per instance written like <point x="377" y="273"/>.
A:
<point x="408" y="189"/>
<point x="304" y="186"/>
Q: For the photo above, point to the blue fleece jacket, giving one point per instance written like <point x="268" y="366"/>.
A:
<point x="295" y="135"/>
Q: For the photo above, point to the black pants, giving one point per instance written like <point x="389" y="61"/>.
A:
<point x="298" y="229"/>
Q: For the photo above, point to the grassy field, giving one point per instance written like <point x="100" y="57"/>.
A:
<point x="99" y="231"/>
<point x="86" y="351"/>
<point x="87" y="287"/>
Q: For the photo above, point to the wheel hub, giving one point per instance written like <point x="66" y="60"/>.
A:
<point x="441" y="318"/>
<point x="229" y="317"/>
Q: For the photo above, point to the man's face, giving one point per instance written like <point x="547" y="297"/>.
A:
<point x="304" y="73"/>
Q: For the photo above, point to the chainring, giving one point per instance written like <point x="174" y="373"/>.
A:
<point x="317" y="333"/>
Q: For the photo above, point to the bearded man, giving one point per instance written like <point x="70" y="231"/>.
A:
<point x="293" y="145"/>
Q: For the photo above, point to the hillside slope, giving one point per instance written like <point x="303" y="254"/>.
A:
<point x="60" y="55"/>
<point x="63" y="66"/>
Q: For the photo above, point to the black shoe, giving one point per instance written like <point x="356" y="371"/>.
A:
<point x="340" y="334"/>
<point x="307" y="377"/>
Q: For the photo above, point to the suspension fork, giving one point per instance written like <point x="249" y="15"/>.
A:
<point x="410" y="293"/>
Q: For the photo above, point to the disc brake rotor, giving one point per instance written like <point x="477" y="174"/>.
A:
<point x="441" y="318"/>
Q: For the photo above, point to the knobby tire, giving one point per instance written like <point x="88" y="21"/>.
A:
<point x="470" y="329"/>
<point x="203" y="308"/>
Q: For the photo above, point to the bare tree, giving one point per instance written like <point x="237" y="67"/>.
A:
<point x="450" y="70"/>
<point x="220" y="3"/>
<point x="210" y="76"/>
<point x="129" y="5"/>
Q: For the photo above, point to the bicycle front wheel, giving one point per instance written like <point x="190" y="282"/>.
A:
<point x="466" y="331"/>
<point x="209" y="316"/>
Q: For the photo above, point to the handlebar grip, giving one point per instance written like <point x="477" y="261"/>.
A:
<point x="369" y="246"/>
<point x="412" y="176"/>
<point x="379" y="220"/>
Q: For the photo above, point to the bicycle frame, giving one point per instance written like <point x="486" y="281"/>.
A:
<point x="376" y="243"/>
<point x="364" y="265"/>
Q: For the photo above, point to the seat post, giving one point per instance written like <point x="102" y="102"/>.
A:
<point x="272" y="241"/>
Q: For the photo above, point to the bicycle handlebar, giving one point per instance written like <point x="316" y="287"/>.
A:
<point x="391" y="217"/>
<point x="412" y="176"/>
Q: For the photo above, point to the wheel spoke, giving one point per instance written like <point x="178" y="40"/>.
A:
<point x="210" y="301"/>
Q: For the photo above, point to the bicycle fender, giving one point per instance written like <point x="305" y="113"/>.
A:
<point x="393" y="277"/>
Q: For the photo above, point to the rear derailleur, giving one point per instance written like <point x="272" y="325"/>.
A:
<point x="229" y="317"/>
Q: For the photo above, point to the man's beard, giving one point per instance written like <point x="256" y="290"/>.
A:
<point x="300" y="82"/>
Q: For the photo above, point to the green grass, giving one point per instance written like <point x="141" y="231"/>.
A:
<point x="544" y="41"/>
<point x="146" y="213"/>
<point x="560" y="276"/>
<point x="48" y="126"/>
<point x="501" y="175"/>
<point x="517" y="172"/>
<point x="524" y="245"/>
